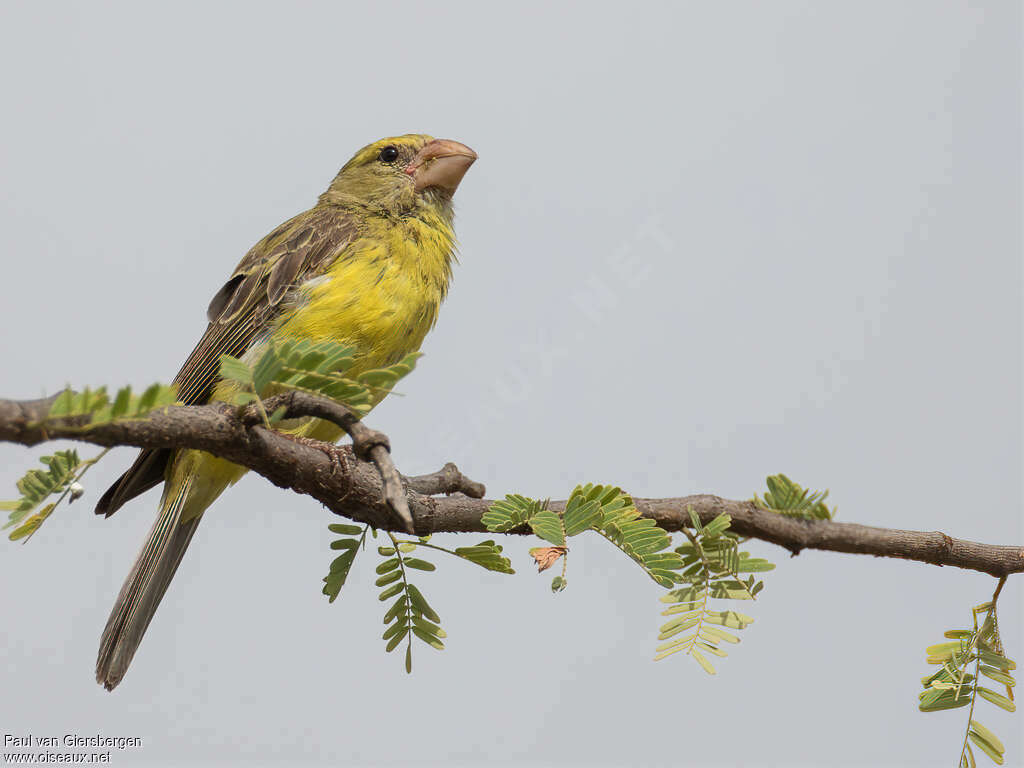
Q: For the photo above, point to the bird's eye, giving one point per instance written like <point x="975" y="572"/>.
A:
<point x="388" y="155"/>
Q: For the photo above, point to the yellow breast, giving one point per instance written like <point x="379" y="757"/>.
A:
<point x="381" y="294"/>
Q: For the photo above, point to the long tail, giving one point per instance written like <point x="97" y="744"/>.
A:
<point x="146" y="584"/>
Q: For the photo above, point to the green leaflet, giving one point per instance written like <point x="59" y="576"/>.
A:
<point x="98" y="407"/>
<point x="410" y="615"/>
<point x="346" y="529"/>
<point x="233" y="369"/>
<point x="962" y="659"/>
<point x="486" y="554"/>
<point x="508" y="513"/>
<point x="62" y="470"/>
<point x="386" y="378"/>
<point x="419" y="565"/>
<point x="711" y="565"/>
<point x="342" y="565"/>
<point x="581" y="514"/>
<point x="711" y="562"/>
<point x="548" y="526"/>
<point x="998" y="699"/>
<point x="318" y="368"/>
<point x="788" y="498"/>
<point x="37" y="484"/>
<point x="986" y="746"/>
<point x="31" y="524"/>
<point x="620" y="523"/>
<point x="605" y="509"/>
<point x="987" y="741"/>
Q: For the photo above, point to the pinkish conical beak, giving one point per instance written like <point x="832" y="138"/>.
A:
<point x="441" y="164"/>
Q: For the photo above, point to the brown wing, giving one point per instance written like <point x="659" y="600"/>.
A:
<point x="241" y="310"/>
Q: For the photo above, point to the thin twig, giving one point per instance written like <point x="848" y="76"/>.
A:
<point x="447" y="480"/>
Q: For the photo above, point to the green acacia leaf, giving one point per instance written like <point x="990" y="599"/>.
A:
<point x="386" y="378"/>
<point x="508" y="513"/>
<point x="62" y="406"/>
<point x="998" y="675"/>
<point x="419" y="565"/>
<point x="122" y="402"/>
<point x="997" y="699"/>
<point x="31" y="524"/>
<point x="985" y="747"/>
<point x="233" y="369"/>
<point x="155" y="396"/>
<point x="428" y="638"/>
<point x="710" y="648"/>
<point x="662" y="579"/>
<point x="547" y="525"/>
<point x="721" y="634"/>
<point x="35" y="486"/>
<point x="420" y="603"/>
<point x="345" y="528"/>
<point x="684" y="595"/>
<point x="429" y="627"/>
<point x="995" y="660"/>
<point x="675" y="627"/>
<point x="343" y="561"/>
<point x="682" y="612"/>
<point x="396" y="608"/>
<point x="396" y="639"/>
<point x="789" y="498"/>
<point x="391" y="591"/>
<point x="754" y="565"/>
<point x="935" y="699"/>
<point x="944" y="650"/>
<point x="699" y="658"/>
<point x="659" y="655"/>
<point x="338" y="574"/>
<point x="267" y="369"/>
<point x="581" y="514"/>
<point x="718" y="526"/>
<point x="388" y="578"/>
<point x="992" y="746"/>
<point x="730" y="619"/>
<point x="488" y="555"/>
<point x="958" y="634"/>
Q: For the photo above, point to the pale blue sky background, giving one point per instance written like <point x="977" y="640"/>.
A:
<point x="771" y="236"/>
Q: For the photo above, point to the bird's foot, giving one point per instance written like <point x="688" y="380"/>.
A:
<point x="332" y="452"/>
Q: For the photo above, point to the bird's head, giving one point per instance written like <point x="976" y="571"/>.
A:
<point x="402" y="173"/>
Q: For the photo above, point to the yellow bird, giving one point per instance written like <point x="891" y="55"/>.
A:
<point x="367" y="266"/>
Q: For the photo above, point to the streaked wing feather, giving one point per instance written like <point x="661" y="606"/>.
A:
<point x="243" y="309"/>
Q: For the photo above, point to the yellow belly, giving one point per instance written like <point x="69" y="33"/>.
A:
<point x="381" y="296"/>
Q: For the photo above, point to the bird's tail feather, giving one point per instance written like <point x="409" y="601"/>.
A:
<point x="146" y="584"/>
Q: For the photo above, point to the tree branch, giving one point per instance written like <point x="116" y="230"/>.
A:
<point x="343" y="480"/>
<point x="367" y="444"/>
